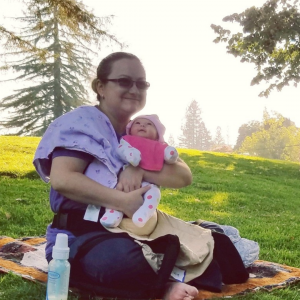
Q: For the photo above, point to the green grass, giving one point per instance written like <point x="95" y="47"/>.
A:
<point x="260" y="197"/>
<point x="16" y="155"/>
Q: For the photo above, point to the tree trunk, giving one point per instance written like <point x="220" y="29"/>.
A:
<point x="58" y="109"/>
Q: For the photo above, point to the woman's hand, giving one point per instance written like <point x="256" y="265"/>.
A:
<point x="130" y="179"/>
<point x="134" y="200"/>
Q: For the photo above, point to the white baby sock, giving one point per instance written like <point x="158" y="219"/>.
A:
<point x="111" y="218"/>
<point x="151" y="201"/>
<point x="171" y="155"/>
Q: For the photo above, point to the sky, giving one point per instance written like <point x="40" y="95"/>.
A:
<point x="174" y="41"/>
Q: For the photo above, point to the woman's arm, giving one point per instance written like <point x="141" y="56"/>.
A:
<point x="67" y="178"/>
<point x="176" y="175"/>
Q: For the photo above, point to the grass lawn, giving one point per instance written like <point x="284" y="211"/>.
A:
<point x="260" y="197"/>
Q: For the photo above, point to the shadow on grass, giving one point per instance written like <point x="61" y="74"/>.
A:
<point x="224" y="183"/>
<point x="242" y="165"/>
<point x="29" y="175"/>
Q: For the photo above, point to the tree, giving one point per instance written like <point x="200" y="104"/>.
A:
<point x="218" y="140"/>
<point x="205" y="138"/>
<point x="270" y="40"/>
<point x="276" y="139"/>
<point x="171" y="141"/>
<point x="57" y="77"/>
<point x="194" y="132"/>
<point x="246" y="130"/>
<point x="70" y="7"/>
<point x="12" y="40"/>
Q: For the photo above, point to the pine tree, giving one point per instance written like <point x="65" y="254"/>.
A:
<point x="218" y="140"/>
<point x="58" y="63"/>
<point x="171" y="141"/>
<point x="205" y="138"/>
<point x="13" y="40"/>
<point x="194" y="132"/>
<point x="71" y="9"/>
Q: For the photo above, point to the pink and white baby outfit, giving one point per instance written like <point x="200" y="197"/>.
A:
<point x="149" y="155"/>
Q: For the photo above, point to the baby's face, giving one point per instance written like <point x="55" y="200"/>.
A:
<point x="144" y="128"/>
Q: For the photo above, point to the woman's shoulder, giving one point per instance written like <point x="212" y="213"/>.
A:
<point x="86" y="115"/>
<point x="85" y="110"/>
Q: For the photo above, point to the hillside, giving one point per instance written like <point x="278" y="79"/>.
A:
<point x="258" y="196"/>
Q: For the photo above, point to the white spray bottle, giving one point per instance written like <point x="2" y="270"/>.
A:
<point x="59" y="270"/>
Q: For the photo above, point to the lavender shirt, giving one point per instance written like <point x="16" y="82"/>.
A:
<point x="87" y="130"/>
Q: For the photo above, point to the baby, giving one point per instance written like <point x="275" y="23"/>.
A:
<point x="143" y="146"/>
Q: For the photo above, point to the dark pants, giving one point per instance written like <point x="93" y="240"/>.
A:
<point x="120" y="263"/>
<point x="117" y="263"/>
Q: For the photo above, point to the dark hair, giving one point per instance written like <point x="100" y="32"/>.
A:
<point x="105" y="66"/>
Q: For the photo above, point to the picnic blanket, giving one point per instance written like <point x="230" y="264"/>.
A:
<point x="25" y="257"/>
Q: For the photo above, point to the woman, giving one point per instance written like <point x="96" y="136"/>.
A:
<point x="86" y="137"/>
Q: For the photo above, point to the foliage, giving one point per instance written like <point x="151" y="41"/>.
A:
<point x="270" y="40"/>
<point x="171" y="141"/>
<point x="71" y="9"/>
<point x="194" y="132"/>
<point x="276" y="139"/>
<point x="12" y="40"/>
<point x="57" y="78"/>
<point x="218" y="139"/>
<point x="218" y="143"/>
<point x="258" y="196"/>
<point x="246" y="130"/>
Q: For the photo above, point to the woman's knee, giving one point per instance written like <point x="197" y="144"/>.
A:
<point x="117" y="262"/>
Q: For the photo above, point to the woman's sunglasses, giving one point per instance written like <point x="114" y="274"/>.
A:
<point x="128" y="83"/>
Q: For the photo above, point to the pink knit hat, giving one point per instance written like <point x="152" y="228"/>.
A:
<point x="155" y="120"/>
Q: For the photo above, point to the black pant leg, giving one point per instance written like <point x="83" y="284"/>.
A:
<point x="229" y="260"/>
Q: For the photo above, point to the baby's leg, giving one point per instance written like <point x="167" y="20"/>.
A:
<point x="151" y="201"/>
<point x="111" y="218"/>
<point x="171" y="155"/>
<point x="129" y="154"/>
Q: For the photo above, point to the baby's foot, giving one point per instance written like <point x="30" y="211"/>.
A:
<point x="144" y="213"/>
<point x="111" y="218"/>
<point x="180" y="291"/>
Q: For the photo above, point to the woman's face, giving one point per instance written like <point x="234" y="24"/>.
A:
<point x="122" y="101"/>
<point x="144" y="128"/>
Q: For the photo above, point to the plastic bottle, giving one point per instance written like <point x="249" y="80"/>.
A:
<point x="59" y="270"/>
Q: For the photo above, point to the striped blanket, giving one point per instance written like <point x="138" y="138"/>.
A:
<point x="25" y="257"/>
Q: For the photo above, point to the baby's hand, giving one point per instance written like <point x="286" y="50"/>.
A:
<point x="170" y="155"/>
<point x="133" y="156"/>
<point x="128" y="153"/>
